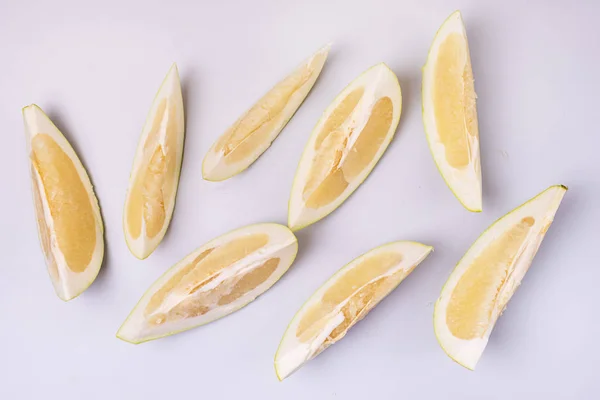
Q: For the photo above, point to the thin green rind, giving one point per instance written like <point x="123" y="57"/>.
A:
<point x="314" y="132"/>
<point x="161" y="277"/>
<point x="437" y="304"/>
<point x="429" y="144"/>
<point x="333" y="278"/>
<point x="91" y="195"/>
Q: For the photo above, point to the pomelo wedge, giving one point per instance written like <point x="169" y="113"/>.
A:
<point x="68" y="217"/>
<point x="349" y="139"/>
<point x="252" y="134"/>
<point x="450" y="113"/>
<point x="486" y="277"/>
<point x="155" y="173"/>
<point x="213" y="281"/>
<point x="344" y="300"/>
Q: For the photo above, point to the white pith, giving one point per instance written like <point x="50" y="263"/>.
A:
<point x="282" y="243"/>
<point x="542" y="208"/>
<point x="292" y="353"/>
<point x="69" y="283"/>
<point x="379" y="81"/>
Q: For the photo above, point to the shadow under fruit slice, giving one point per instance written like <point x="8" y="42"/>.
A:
<point x="68" y="217"/>
<point x="155" y="172"/>
<point x="450" y="113"/>
<point x="349" y="139"/>
<point x="252" y="134"/>
<point x="486" y="277"/>
<point x="344" y="300"/>
<point x="213" y="281"/>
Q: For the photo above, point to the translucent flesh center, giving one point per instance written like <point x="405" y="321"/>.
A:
<point x="186" y="295"/>
<point x="342" y="153"/>
<point x="454" y="100"/>
<point x="255" y="129"/>
<point x="154" y="184"/>
<point x="477" y="298"/>
<point x="353" y="295"/>
<point x="69" y="204"/>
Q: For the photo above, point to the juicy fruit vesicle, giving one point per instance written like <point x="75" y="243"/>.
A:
<point x="353" y="295"/>
<point x="477" y="298"/>
<point x="454" y="101"/>
<point x="485" y="279"/>
<point x="254" y="131"/>
<point x="344" y="300"/>
<point x="346" y="144"/>
<point x="183" y="295"/>
<point x="68" y="218"/>
<point x="341" y="153"/>
<point x="155" y="175"/>
<point x="69" y="203"/>
<point x="215" y="280"/>
<point x="450" y="112"/>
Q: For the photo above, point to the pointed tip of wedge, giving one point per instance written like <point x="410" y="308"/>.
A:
<point x="325" y="49"/>
<point x="174" y="69"/>
<point x="29" y="106"/>
<point x="279" y="378"/>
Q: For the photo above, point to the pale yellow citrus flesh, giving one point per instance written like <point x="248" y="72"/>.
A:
<point x="341" y="153"/>
<point x="454" y="100"/>
<point x="74" y="224"/>
<point x="43" y="228"/>
<point x="256" y="126"/>
<point x="185" y="295"/>
<point x="476" y="299"/>
<point x="355" y="293"/>
<point x="156" y="177"/>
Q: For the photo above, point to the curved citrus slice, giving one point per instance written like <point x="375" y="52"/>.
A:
<point x="68" y="217"/>
<point x="213" y="281"/>
<point x="449" y="112"/>
<point x="344" y="300"/>
<point x="487" y="276"/>
<point x="347" y="142"/>
<point x="252" y="134"/>
<point x="155" y="173"/>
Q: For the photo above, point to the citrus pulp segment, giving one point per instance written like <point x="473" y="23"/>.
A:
<point x="486" y="277"/>
<point x="252" y="134"/>
<point x="347" y="142"/>
<point x="155" y="172"/>
<point x="450" y="113"/>
<point x="68" y="217"/>
<point x="215" y="280"/>
<point x="344" y="300"/>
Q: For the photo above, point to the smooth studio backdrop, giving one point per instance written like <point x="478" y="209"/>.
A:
<point x="95" y="67"/>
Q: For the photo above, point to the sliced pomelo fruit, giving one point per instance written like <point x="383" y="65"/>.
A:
<point x="213" y="281"/>
<point x="155" y="172"/>
<point x="487" y="276"/>
<point x="252" y="134"/>
<point x="347" y="142"/>
<point x="450" y="114"/>
<point x="344" y="300"/>
<point x="68" y="217"/>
